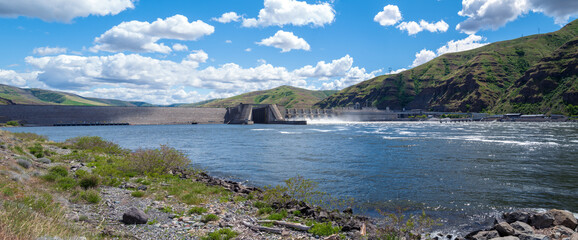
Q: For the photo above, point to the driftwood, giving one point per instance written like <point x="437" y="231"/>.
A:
<point x="296" y="226"/>
<point x="263" y="229"/>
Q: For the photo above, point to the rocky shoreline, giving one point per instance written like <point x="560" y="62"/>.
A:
<point x="121" y="214"/>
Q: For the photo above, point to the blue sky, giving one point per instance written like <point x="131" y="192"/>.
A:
<point x="181" y="51"/>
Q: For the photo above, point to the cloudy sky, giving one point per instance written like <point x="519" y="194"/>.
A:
<point x="182" y="51"/>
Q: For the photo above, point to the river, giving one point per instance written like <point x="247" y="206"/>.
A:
<point x="453" y="170"/>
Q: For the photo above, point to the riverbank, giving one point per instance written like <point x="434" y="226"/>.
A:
<point x="182" y="204"/>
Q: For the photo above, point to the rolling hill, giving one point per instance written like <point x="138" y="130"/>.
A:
<point x="13" y="95"/>
<point x="533" y="74"/>
<point x="286" y="96"/>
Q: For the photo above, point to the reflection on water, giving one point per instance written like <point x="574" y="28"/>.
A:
<point x="455" y="168"/>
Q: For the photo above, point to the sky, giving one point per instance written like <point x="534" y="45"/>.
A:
<point x="185" y="51"/>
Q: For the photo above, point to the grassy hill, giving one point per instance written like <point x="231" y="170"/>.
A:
<point x="286" y="96"/>
<point x="14" y="95"/>
<point x="490" y="78"/>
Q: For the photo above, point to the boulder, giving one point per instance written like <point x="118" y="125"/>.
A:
<point x="522" y="228"/>
<point x="517" y="217"/>
<point x="534" y="237"/>
<point x="483" y="235"/>
<point x="504" y="229"/>
<point x="563" y="218"/>
<point x="561" y="232"/>
<point x="574" y="236"/>
<point x="135" y="216"/>
<point x="506" y="238"/>
<point x="542" y="220"/>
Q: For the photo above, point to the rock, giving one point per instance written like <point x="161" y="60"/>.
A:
<point x="542" y="220"/>
<point x="348" y="211"/>
<point x="574" y="236"/>
<point x="534" y="237"/>
<point x="44" y="160"/>
<point x="562" y="232"/>
<point x="322" y="216"/>
<point x="483" y="235"/>
<point x="506" y="238"/>
<point x="563" y="218"/>
<point x="142" y="188"/>
<point x="504" y="229"/>
<point x="134" y="216"/>
<point x="522" y="228"/>
<point x="517" y="217"/>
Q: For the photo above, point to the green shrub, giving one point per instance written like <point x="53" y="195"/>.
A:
<point x="66" y="183"/>
<point x="209" y="218"/>
<point x="197" y="210"/>
<point x="90" y="181"/>
<point x="137" y="194"/>
<point x="37" y="150"/>
<point x="96" y="144"/>
<point x="265" y="210"/>
<point x="90" y="196"/>
<point x="278" y="216"/>
<point x="259" y="204"/>
<point x="13" y="123"/>
<point x="399" y="226"/>
<point x="58" y="171"/>
<point x="50" y="177"/>
<point x="157" y="161"/>
<point x="166" y="209"/>
<point x="324" y="229"/>
<point x="24" y="163"/>
<point x="221" y="234"/>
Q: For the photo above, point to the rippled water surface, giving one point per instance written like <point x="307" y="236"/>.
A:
<point x="454" y="169"/>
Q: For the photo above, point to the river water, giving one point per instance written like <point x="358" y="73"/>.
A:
<point x="452" y="170"/>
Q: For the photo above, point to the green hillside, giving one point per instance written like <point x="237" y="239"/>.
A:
<point x="14" y="95"/>
<point x="286" y="96"/>
<point x="490" y="78"/>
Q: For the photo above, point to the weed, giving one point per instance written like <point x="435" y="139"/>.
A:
<point x="153" y="222"/>
<point x="259" y="204"/>
<point x="209" y="218"/>
<point x="158" y="161"/>
<point x="197" y="210"/>
<point x="83" y="218"/>
<point x="143" y="181"/>
<point x="166" y="209"/>
<point x="60" y="171"/>
<point x="137" y="194"/>
<point x="8" y="191"/>
<point x="19" y="150"/>
<point x="90" y="181"/>
<point x="90" y="196"/>
<point x="65" y="183"/>
<point x="265" y="210"/>
<point x="324" y="229"/>
<point x="278" y="216"/>
<point x="238" y="199"/>
<point x="221" y="234"/>
<point x="26" y="136"/>
<point x="401" y="226"/>
<point x="37" y="150"/>
<point x="296" y="213"/>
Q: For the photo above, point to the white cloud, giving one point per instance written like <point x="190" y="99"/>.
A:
<point x="493" y="14"/>
<point x="143" y="36"/>
<point x="13" y="78"/>
<point x="228" y="17"/>
<point x="292" y="12"/>
<point x="389" y="16"/>
<point x="49" y="51"/>
<point x="422" y="57"/>
<point x="228" y="41"/>
<point x="180" y="47"/>
<point x="413" y="28"/>
<point x="248" y="50"/>
<point x="286" y="41"/>
<point x="138" y="78"/>
<point x="471" y="42"/>
<point x="62" y="10"/>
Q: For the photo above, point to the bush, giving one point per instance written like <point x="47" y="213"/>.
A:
<point x="13" y="123"/>
<point x="221" y="234"/>
<point x="37" y="150"/>
<point x="96" y="144"/>
<point x="31" y="136"/>
<point x="58" y="171"/>
<point x="209" y="218"/>
<point x="24" y="163"/>
<point x="157" y="161"/>
<point x="278" y="216"/>
<point x="137" y="194"/>
<point x="324" y="229"/>
<point x="197" y="210"/>
<point x="91" y="196"/>
<point x="90" y="181"/>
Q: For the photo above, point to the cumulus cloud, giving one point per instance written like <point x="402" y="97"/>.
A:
<point x="49" y="51"/>
<point x="180" y="47"/>
<point x="13" y="78"/>
<point x="413" y="28"/>
<point x="422" y="57"/>
<point x="142" y="78"/>
<point x="292" y="12"/>
<point x="286" y="41"/>
<point x="389" y="16"/>
<point x="493" y="14"/>
<point x="62" y="10"/>
<point x="228" y="17"/>
<point x="471" y="42"/>
<point x="139" y="36"/>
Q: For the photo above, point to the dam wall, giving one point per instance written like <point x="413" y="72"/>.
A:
<point x="35" y="115"/>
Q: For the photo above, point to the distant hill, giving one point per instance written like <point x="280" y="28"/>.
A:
<point x="14" y="95"/>
<point x="533" y="74"/>
<point x="286" y="96"/>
